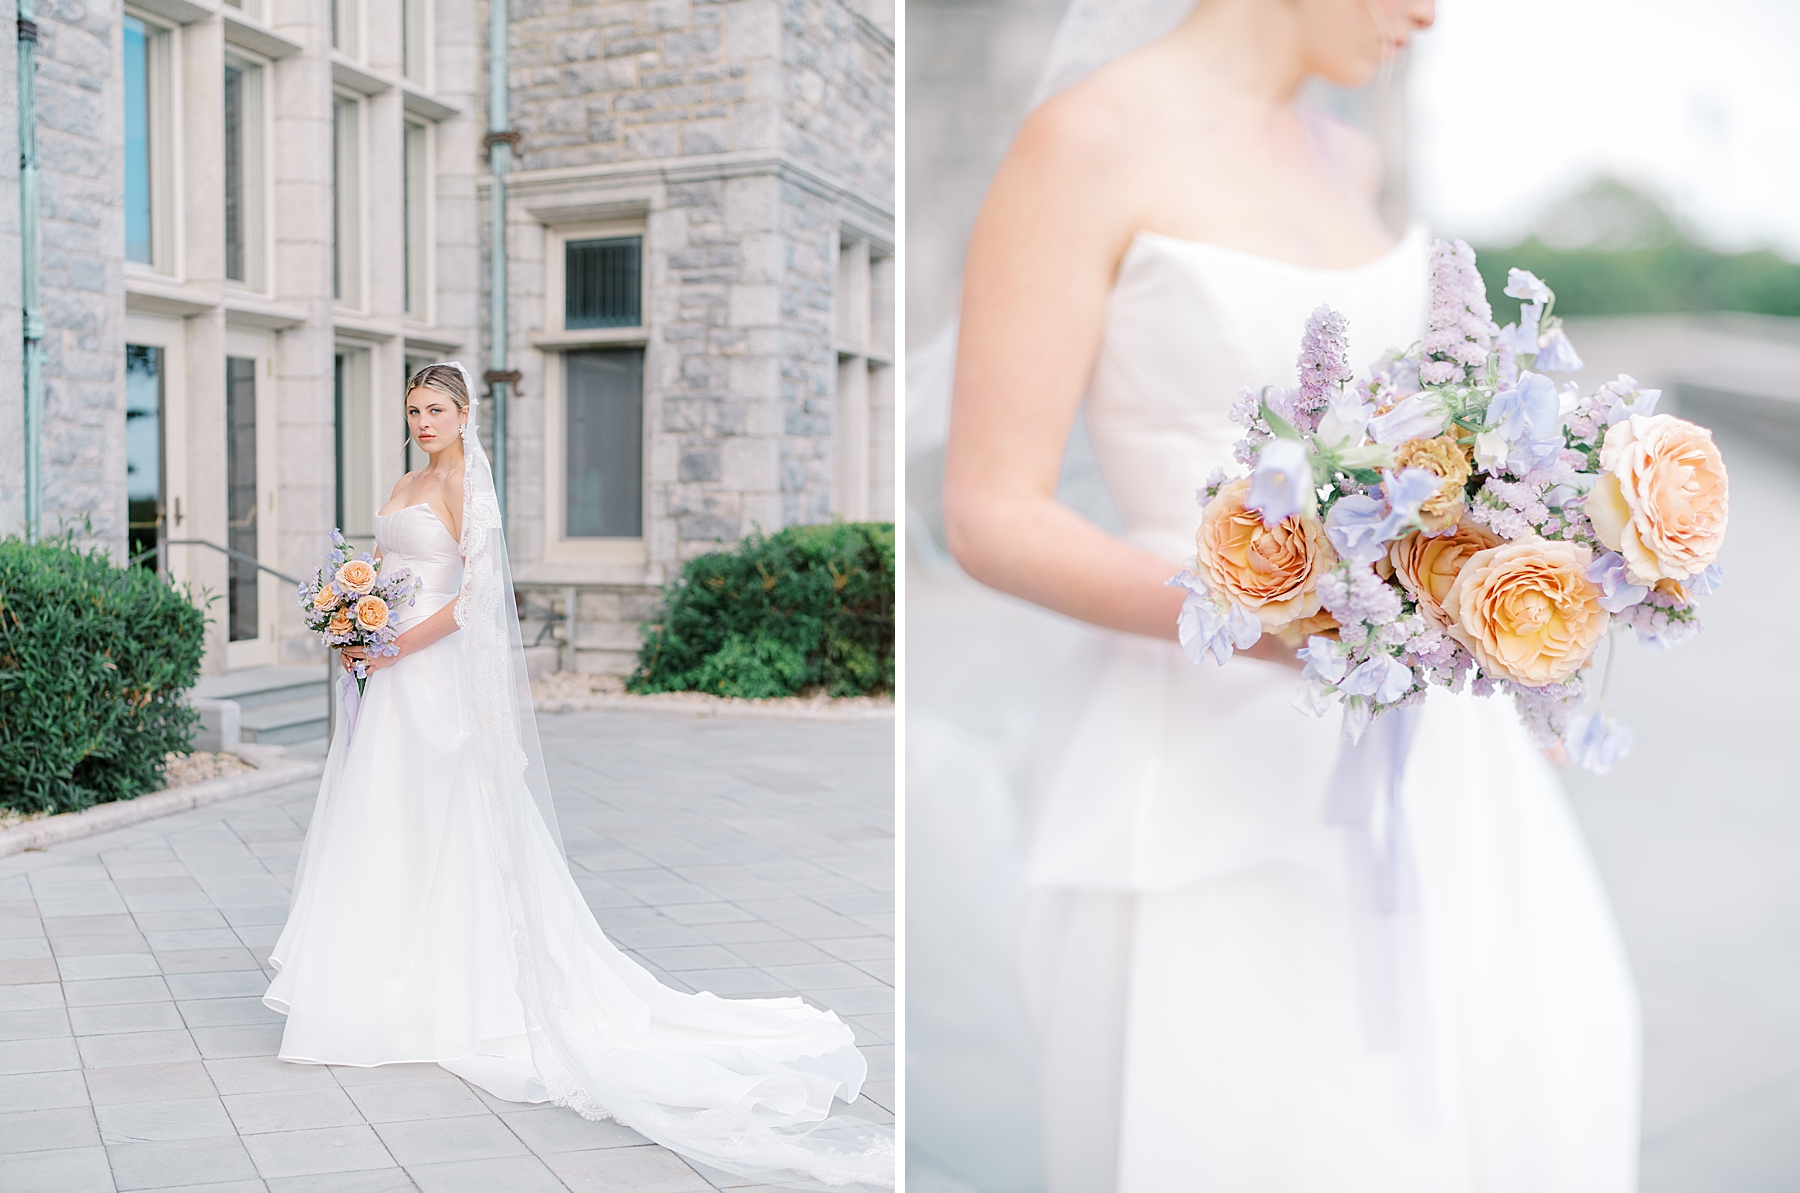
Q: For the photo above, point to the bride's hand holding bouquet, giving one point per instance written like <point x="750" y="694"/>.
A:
<point x="350" y="602"/>
<point x="1455" y="518"/>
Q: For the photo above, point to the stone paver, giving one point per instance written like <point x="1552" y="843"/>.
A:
<point x="743" y="857"/>
<point x="1696" y="834"/>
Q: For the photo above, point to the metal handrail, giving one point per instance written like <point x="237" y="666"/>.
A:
<point x="238" y="555"/>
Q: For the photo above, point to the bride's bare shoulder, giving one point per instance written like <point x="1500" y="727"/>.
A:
<point x="1353" y="151"/>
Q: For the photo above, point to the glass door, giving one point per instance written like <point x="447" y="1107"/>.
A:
<point x="241" y="494"/>
<point x="145" y="493"/>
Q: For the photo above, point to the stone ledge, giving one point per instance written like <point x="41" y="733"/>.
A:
<point x="699" y="704"/>
<point x="273" y="769"/>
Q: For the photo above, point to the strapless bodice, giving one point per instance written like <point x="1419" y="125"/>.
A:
<point x="1188" y="326"/>
<point x="414" y="538"/>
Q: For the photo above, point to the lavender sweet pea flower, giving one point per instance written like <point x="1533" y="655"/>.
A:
<point x="1383" y="679"/>
<point x="1206" y="628"/>
<point x="1345" y="418"/>
<point x="1323" y="662"/>
<point x="1357" y="715"/>
<point x="1406" y="491"/>
<point x="1420" y="416"/>
<point x="1643" y="401"/>
<point x="1596" y="742"/>
<point x="1521" y="338"/>
<point x="1281" y="486"/>
<point x="1314" y="698"/>
<point x="1522" y="283"/>
<point x="1706" y="583"/>
<point x="1556" y="354"/>
<point x="1528" y="417"/>
<point x="1355" y="526"/>
<point x="1617" y="593"/>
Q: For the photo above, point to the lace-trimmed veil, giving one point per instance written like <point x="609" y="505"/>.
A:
<point x="488" y="616"/>
<point x="740" y="1085"/>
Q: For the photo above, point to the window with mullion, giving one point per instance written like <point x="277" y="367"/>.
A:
<point x="603" y="283"/>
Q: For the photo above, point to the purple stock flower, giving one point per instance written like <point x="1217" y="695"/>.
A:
<point x="1461" y="323"/>
<point x="1281" y="485"/>
<point x="1324" y="361"/>
<point x="1617" y="593"/>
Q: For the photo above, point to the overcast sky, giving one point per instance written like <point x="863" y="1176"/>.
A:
<point x="1516" y="102"/>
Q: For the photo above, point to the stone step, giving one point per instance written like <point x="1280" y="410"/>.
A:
<point x="260" y="686"/>
<point x="306" y="719"/>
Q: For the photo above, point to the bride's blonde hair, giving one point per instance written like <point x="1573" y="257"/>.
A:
<point x="446" y="379"/>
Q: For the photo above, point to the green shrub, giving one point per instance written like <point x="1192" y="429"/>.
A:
<point x="812" y="606"/>
<point x="93" y="661"/>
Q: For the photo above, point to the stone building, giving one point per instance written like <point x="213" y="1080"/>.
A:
<point x="701" y="239"/>
<point x="256" y="217"/>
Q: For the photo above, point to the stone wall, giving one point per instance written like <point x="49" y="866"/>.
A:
<point x="837" y="108"/>
<point x="596" y="83"/>
<point x="80" y="159"/>
<point x="12" y="410"/>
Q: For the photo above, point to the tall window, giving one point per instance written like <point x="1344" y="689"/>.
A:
<point x="604" y="469"/>
<point x="862" y="431"/>
<point x="143" y="449"/>
<point x="139" y="229"/>
<point x="243" y="172"/>
<point x="240" y="491"/>
<point x="344" y="27"/>
<point x="355" y="460"/>
<point x="602" y="283"/>
<point x="416" y="200"/>
<point x="346" y="206"/>
<point x="412" y="35"/>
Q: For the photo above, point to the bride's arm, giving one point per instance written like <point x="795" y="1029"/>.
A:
<point x="416" y="638"/>
<point x="1045" y="248"/>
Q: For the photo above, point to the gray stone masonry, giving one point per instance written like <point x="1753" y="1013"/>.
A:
<point x="80" y="159"/>
<point x="744" y="857"/>
<point x="12" y="410"/>
<point x="750" y="137"/>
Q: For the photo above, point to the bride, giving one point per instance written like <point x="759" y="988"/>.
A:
<point x="1220" y="1001"/>
<point x="434" y="918"/>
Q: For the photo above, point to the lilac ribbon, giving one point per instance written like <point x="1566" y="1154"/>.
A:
<point x="352" y="704"/>
<point x="1364" y="799"/>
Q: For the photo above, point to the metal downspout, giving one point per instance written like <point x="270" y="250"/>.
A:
<point x="500" y="143"/>
<point x="32" y="315"/>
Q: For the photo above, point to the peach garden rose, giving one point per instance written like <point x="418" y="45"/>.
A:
<point x="358" y="575"/>
<point x="1663" y="500"/>
<point x="1426" y="567"/>
<point x="1273" y="571"/>
<point x="371" y="613"/>
<point x="1527" y="611"/>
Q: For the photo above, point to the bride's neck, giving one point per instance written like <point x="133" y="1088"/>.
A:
<point x="1248" y="49"/>
<point x="448" y="462"/>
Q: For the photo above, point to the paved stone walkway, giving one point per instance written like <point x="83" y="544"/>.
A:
<point x="743" y="857"/>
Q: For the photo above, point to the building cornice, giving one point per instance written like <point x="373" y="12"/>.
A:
<point x="872" y="216"/>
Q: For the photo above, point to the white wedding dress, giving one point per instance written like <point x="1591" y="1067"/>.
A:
<point x="1219" y="1001"/>
<point x="434" y="919"/>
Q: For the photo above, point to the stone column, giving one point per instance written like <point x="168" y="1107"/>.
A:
<point x="12" y="408"/>
<point x="302" y="173"/>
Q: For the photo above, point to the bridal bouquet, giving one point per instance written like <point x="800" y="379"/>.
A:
<point x="1455" y="517"/>
<point x="349" y="601"/>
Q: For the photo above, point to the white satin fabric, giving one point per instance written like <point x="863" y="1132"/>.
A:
<point x="1219" y="1001"/>
<point x="415" y="895"/>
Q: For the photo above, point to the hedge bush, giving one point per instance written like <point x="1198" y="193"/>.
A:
<point x="810" y="607"/>
<point x="94" y="659"/>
